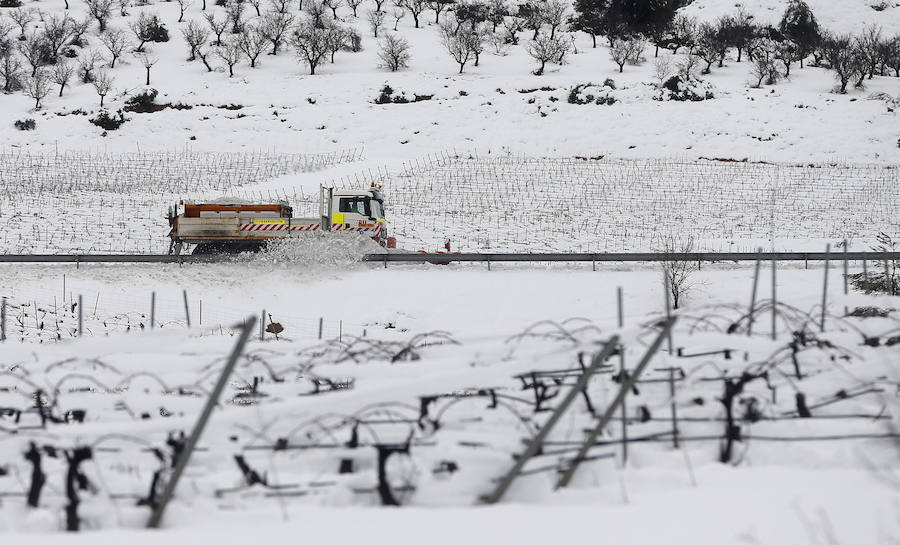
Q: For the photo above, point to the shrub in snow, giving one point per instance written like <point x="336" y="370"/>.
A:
<point x="389" y="96"/>
<point x="109" y="122"/>
<point x="683" y="89"/>
<point x="142" y="102"/>
<point x="591" y="93"/>
<point x="25" y="124"/>
<point x="10" y="4"/>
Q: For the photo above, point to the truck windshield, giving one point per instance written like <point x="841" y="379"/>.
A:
<point x="376" y="209"/>
<point x="354" y="205"/>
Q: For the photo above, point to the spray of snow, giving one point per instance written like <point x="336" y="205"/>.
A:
<point x="320" y="250"/>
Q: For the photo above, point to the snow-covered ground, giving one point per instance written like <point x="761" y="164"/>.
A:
<point x="460" y="329"/>
<point x="497" y="159"/>
<point x="283" y="109"/>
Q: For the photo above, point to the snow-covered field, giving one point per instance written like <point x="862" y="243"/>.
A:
<point x="458" y="333"/>
<point x="453" y="367"/>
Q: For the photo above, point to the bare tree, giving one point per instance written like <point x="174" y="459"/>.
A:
<point x="252" y="43"/>
<point x="662" y="69"/>
<point x="555" y="14"/>
<point x="376" y="20"/>
<point x="115" y="41"/>
<point x="437" y="6"/>
<point x="101" y="10"/>
<point x="103" y="84"/>
<point x="10" y="68"/>
<point x="143" y="28"/>
<point x="86" y="65"/>
<point x="235" y="11"/>
<point x="311" y="43"/>
<point x="677" y="273"/>
<point x="354" y="5"/>
<point x="57" y="31"/>
<point x="868" y="44"/>
<point x="124" y="5"/>
<point x="415" y="7"/>
<point x="333" y="5"/>
<point x="393" y="50"/>
<point x="231" y="53"/>
<point x="256" y="5"/>
<point x="338" y="36"/>
<point x="183" y="5"/>
<point x="32" y="49"/>
<point x="62" y="74"/>
<point x="843" y="58"/>
<point x="397" y="14"/>
<point x="788" y="53"/>
<point x="688" y="66"/>
<point x="79" y="29"/>
<point x="22" y="17"/>
<point x="619" y="52"/>
<point x="281" y="6"/>
<point x="763" y="52"/>
<point x="545" y="48"/>
<point x="317" y="13"/>
<point x="499" y="42"/>
<point x="460" y="44"/>
<point x="217" y="26"/>
<point x="274" y="26"/>
<point x="37" y="86"/>
<point x="147" y="60"/>
<point x="682" y="32"/>
<point x="203" y="54"/>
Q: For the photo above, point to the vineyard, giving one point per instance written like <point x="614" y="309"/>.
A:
<point x="117" y="203"/>
<point x="307" y="422"/>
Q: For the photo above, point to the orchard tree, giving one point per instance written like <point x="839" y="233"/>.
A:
<point x="37" y="86"/>
<point x="275" y="26"/>
<point x="252" y="43"/>
<point x="22" y="17"/>
<point x="148" y="61"/>
<point x="843" y="58"/>
<point x="10" y="69"/>
<point x="217" y="26"/>
<point x="231" y="53"/>
<point x="376" y="20"/>
<point x="546" y="48"/>
<point x="61" y="75"/>
<point x="415" y="7"/>
<point x="740" y="31"/>
<point x="438" y="6"/>
<point x="588" y="18"/>
<point x="196" y="36"/>
<point x="393" y="50"/>
<point x="116" y="41"/>
<point x="103" y="84"/>
<point x="311" y="43"/>
<point x="101" y="10"/>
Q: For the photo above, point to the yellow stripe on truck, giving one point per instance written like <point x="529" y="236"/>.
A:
<point x="270" y="222"/>
<point x="337" y="218"/>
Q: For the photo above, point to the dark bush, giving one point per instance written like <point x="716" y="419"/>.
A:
<point x="385" y="96"/>
<point x="71" y="53"/>
<point x="591" y="93"/>
<point x="109" y="122"/>
<point x="25" y="124"/>
<point x="143" y="102"/>
<point x="10" y="4"/>
<point x="157" y="31"/>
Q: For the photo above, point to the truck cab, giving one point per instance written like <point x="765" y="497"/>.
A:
<point x="356" y="210"/>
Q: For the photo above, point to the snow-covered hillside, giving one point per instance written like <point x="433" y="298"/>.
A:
<point x="284" y="109"/>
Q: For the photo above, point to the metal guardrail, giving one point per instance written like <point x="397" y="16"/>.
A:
<point x="476" y="257"/>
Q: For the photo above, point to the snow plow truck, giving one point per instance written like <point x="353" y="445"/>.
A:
<point x="230" y="225"/>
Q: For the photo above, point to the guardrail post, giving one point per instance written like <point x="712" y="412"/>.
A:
<point x="3" y="319"/>
<point x="623" y="375"/>
<point x="152" y="309"/>
<point x="865" y="276"/>
<point x="846" y="273"/>
<point x="185" y="455"/>
<point x="80" y="315"/>
<point x="753" y="293"/>
<point x="774" y="298"/>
